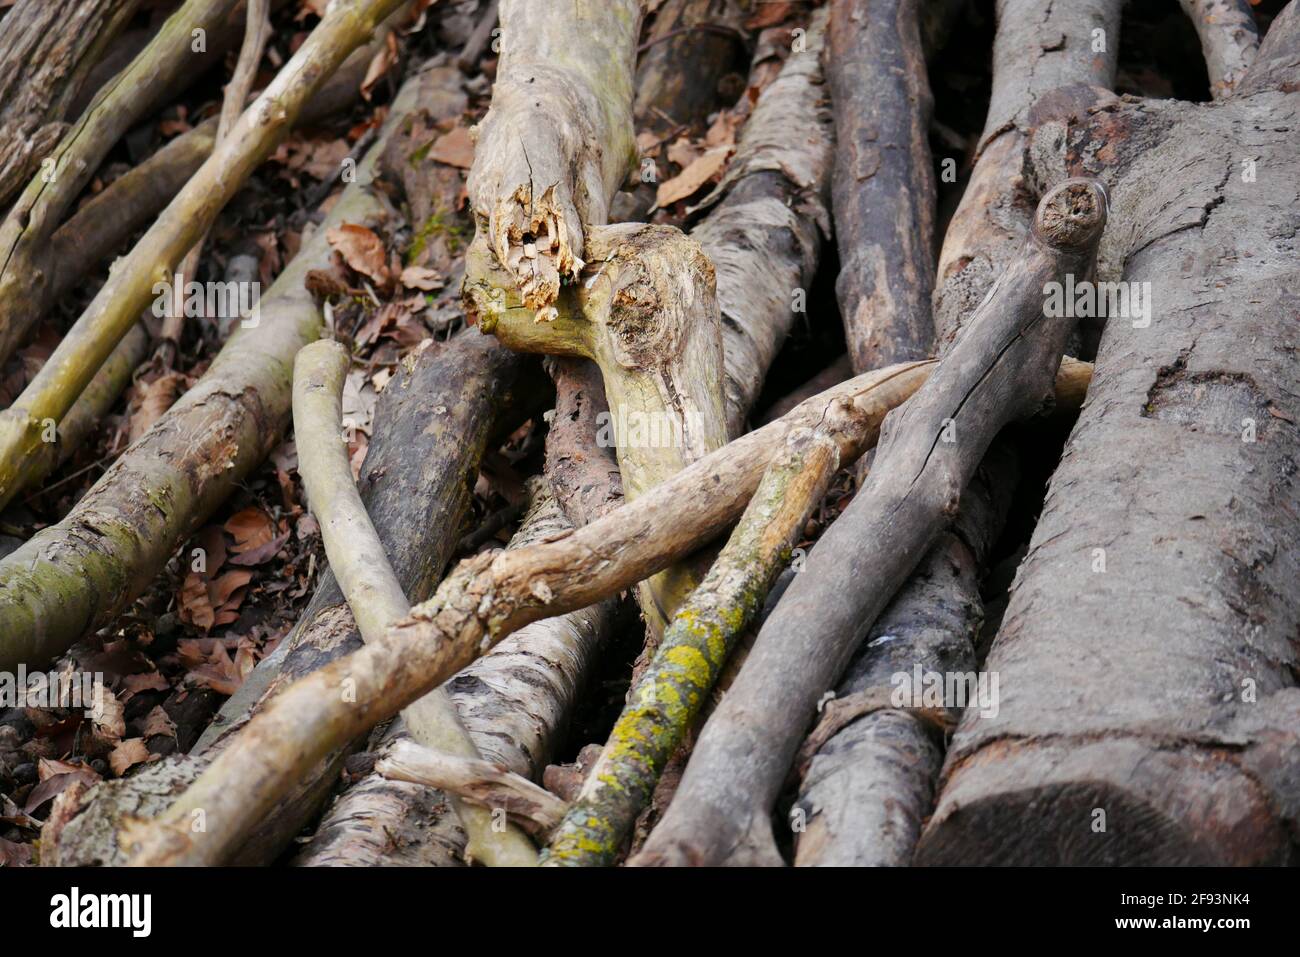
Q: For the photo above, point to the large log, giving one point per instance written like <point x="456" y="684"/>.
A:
<point x="1147" y="659"/>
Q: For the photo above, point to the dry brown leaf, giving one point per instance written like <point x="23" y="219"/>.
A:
<point x="683" y="152"/>
<point x="127" y="755"/>
<point x="109" y="715"/>
<point x="769" y="14"/>
<point x="361" y="249"/>
<point x="250" y="528"/>
<point x="54" y="779"/>
<point x="13" y="854"/>
<point x="221" y="589"/>
<point x="455" y="148"/>
<point x="146" y="681"/>
<point x="689" y="180"/>
<point x="419" y="277"/>
<point x="380" y="64"/>
<point x="193" y="604"/>
<point x="158" y="721"/>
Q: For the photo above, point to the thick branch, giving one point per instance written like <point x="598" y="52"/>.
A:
<point x="557" y="141"/>
<point x="883" y="186"/>
<point x="1229" y="40"/>
<point x="663" y="704"/>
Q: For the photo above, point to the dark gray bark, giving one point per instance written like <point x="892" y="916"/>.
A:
<point x="1039" y="47"/>
<point x="1002" y="369"/>
<point x="1148" y="658"/>
<point x="883" y="184"/>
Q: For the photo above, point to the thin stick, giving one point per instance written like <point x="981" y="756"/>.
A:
<point x="256" y="33"/>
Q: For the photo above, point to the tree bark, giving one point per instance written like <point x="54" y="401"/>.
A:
<point x="557" y="140"/>
<point x="883" y="185"/>
<point x="666" y="699"/>
<point x="363" y="573"/>
<point x="167" y="62"/>
<point x="703" y="33"/>
<point x="78" y="574"/>
<point x="1037" y="49"/>
<point x="869" y="767"/>
<point x="1170" y="530"/>
<point x="766" y="219"/>
<point x="1229" y="40"/>
<point x="487" y="598"/>
<point x="47" y="50"/>
<point x="1000" y="370"/>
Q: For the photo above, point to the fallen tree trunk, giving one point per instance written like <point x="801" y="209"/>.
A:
<point x="1170" y="529"/>
<point x="868" y="769"/>
<point x="520" y="586"/>
<point x="47" y="50"/>
<point x="1000" y="370"/>
<point x="883" y="185"/>
<point x="646" y="313"/>
<point x="707" y="35"/>
<point x="415" y="478"/>
<point x="766" y="220"/>
<point x="130" y="285"/>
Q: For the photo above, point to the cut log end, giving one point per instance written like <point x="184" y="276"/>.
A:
<point x="1073" y="214"/>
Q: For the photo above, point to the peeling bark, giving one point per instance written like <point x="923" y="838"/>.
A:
<point x="485" y="599"/>
<point x="764" y="231"/>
